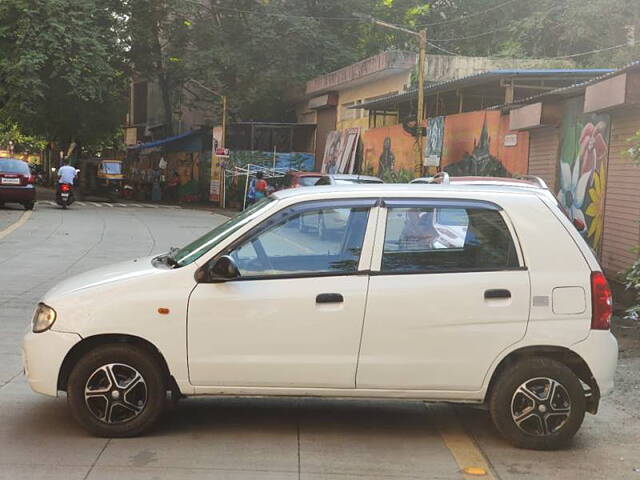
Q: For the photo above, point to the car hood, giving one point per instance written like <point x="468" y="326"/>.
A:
<point x="118" y="272"/>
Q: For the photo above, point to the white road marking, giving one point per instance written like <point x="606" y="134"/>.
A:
<point x="17" y="224"/>
<point x="96" y="204"/>
<point x="82" y="204"/>
<point x="121" y="204"/>
<point x="108" y="204"/>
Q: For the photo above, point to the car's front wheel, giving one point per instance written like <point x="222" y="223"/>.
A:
<point x="538" y="403"/>
<point x="116" y="390"/>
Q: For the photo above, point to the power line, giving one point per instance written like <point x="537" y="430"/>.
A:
<point x="440" y="48"/>
<point x="469" y="15"/>
<point x="468" y="37"/>
<point x="614" y="47"/>
<point x="284" y="15"/>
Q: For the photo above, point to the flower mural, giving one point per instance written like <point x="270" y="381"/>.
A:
<point x="595" y="210"/>
<point x="573" y="189"/>
<point x="593" y="147"/>
<point x="583" y="166"/>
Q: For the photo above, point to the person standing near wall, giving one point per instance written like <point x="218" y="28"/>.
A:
<point x="260" y="187"/>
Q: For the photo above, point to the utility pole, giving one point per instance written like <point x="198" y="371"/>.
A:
<point x="422" y="53"/>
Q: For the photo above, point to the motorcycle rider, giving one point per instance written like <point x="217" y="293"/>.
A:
<point x="67" y="174"/>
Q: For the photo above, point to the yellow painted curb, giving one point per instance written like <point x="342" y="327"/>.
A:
<point x="472" y="462"/>
<point x="14" y="226"/>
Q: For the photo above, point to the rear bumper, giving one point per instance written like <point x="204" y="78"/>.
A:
<point x="600" y="352"/>
<point x="17" y="194"/>
<point x="42" y="357"/>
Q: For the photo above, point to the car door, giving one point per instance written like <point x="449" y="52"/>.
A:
<point x="294" y="316"/>
<point x="458" y="275"/>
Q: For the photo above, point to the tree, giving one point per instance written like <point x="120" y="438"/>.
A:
<point x="544" y="28"/>
<point x="62" y="74"/>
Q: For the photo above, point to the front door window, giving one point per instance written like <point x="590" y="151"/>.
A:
<point x="322" y="241"/>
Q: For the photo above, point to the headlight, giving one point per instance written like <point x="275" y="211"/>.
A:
<point x="43" y="318"/>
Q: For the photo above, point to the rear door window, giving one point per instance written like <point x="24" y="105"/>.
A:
<point x="423" y="239"/>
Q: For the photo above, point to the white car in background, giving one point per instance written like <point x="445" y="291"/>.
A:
<point x="515" y="317"/>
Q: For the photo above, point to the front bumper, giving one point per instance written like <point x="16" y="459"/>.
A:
<point x="600" y="351"/>
<point x="42" y="357"/>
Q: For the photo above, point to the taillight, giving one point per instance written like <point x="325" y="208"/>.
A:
<point x="64" y="187"/>
<point x="601" y="302"/>
<point x="31" y="179"/>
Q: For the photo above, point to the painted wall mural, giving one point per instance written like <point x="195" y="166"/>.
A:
<point x="470" y="143"/>
<point x="434" y="141"/>
<point x="340" y="151"/>
<point x="390" y="153"/>
<point x="474" y="144"/>
<point x="582" y="172"/>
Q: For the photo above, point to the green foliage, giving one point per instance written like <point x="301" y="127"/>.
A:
<point x="544" y="28"/>
<point x="398" y="176"/>
<point x="631" y="276"/>
<point x="634" y="148"/>
<point x="21" y="143"/>
<point x="62" y="75"/>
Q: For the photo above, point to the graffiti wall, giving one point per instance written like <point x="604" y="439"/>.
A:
<point x="434" y="141"/>
<point x="480" y="143"/>
<point x="474" y="143"/>
<point x="582" y="172"/>
<point x="390" y="153"/>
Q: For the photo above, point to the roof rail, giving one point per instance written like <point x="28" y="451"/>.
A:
<point x="441" y="177"/>
<point x="534" y="179"/>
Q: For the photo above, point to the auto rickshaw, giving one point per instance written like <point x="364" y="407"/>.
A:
<point x="101" y="177"/>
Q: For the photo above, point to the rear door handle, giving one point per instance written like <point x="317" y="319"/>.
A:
<point x="497" y="293"/>
<point x="329" y="298"/>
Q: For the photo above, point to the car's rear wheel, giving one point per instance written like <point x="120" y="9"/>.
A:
<point x="116" y="390"/>
<point x="28" y="205"/>
<point x="538" y="403"/>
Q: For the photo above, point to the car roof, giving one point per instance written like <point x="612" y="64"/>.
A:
<point x="490" y="181"/>
<point x="403" y="189"/>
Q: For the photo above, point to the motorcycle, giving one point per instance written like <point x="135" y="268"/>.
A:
<point x="64" y="195"/>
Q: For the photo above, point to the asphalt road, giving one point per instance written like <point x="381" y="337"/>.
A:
<point x="254" y="438"/>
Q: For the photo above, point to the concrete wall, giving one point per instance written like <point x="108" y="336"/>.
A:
<point x="446" y="67"/>
<point x="363" y="92"/>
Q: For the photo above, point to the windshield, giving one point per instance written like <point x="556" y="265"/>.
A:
<point x="112" y="168"/>
<point x="202" y="245"/>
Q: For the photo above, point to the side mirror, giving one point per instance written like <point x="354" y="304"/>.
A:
<point x="222" y="270"/>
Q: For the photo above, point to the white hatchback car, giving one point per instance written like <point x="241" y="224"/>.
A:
<point x="513" y="313"/>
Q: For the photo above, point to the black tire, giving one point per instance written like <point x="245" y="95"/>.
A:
<point x="28" y="205"/>
<point x="126" y="421"/>
<point x="546" y="425"/>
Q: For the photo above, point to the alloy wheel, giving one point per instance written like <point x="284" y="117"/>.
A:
<point x="541" y="406"/>
<point x="115" y="393"/>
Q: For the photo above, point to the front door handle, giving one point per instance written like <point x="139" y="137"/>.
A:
<point x="497" y="293"/>
<point x="329" y="298"/>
